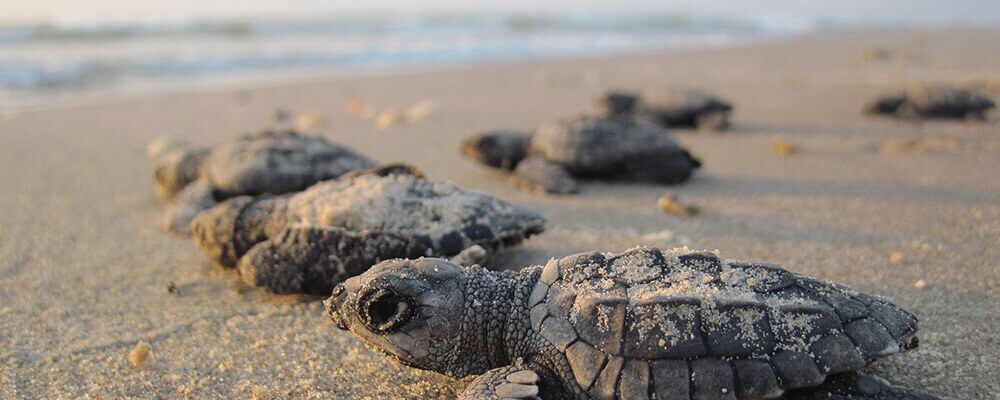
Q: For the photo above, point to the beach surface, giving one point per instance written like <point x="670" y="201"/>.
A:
<point x="84" y="270"/>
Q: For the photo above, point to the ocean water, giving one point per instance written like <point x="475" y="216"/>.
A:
<point x="47" y="59"/>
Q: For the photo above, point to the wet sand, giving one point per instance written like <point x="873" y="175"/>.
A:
<point x="84" y="271"/>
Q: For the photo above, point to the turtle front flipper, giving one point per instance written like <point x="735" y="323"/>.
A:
<point x="853" y="386"/>
<point x="510" y="382"/>
<point x="473" y="255"/>
<point x="193" y="199"/>
<point x="539" y="174"/>
<point x="313" y="259"/>
<point x="498" y="149"/>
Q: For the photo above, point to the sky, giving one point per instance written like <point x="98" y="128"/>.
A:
<point x="921" y="12"/>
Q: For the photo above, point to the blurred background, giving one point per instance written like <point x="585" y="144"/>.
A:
<point x="52" y="49"/>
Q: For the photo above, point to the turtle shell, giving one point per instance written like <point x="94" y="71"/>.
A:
<point x="683" y="324"/>
<point x="936" y="100"/>
<point x="441" y="216"/>
<point x="278" y="162"/>
<point x="681" y="102"/>
<point x="591" y="146"/>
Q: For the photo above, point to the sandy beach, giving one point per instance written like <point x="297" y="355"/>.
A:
<point x="84" y="270"/>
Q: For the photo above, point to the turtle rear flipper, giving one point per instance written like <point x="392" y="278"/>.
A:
<point x="498" y="149"/>
<point x="310" y="259"/>
<point x="536" y="173"/>
<point x="853" y="386"/>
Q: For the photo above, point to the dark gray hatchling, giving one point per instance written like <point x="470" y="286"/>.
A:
<point x="268" y="162"/>
<point x="588" y="147"/>
<point x="642" y="324"/>
<point x="309" y="241"/>
<point x="933" y="102"/>
<point x="671" y="108"/>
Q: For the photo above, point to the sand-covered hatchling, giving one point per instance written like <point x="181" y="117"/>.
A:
<point x="588" y="147"/>
<point x="930" y="102"/>
<point x="268" y="162"/>
<point x="671" y="108"/>
<point x="641" y="324"/>
<point x="309" y="241"/>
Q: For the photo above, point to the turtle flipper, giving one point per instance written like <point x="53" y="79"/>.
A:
<point x="312" y="259"/>
<point x="536" y="173"/>
<point x="473" y="255"/>
<point x="853" y="386"/>
<point x="510" y="382"/>
<point x="185" y="206"/>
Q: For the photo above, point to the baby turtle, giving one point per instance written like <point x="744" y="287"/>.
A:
<point x="933" y="102"/>
<point x="642" y="324"/>
<point x="310" y="241"/>
<point x="274" y="162"/>
<point x="612" y="148"/>
<point x="671" y="108"/>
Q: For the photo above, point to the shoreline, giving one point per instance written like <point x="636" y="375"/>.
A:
<point x="42" y="100"/>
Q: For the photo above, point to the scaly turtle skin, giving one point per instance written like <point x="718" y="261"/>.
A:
<point x="933" y="102"/>
<point x="641" y="324"/>
<point x="269" y="162"/>
<point x="671" y="108"/>
<point x="312" y="240"/>
<point x="608" y="148"/>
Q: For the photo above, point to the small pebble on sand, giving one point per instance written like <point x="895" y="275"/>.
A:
<point x="140" y="355"/>
<point x="897" y="258"/>
<point x="356" y="105"/>
<point x="387" y="118"/>
<point x="309" y="120"/>
<point x="784" y="148"/>
<point x="670" y="205"/>
<point x="419" y="111"/>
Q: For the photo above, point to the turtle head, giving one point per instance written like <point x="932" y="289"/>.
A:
<point x="175" y="165"/>
<point x="497" y="149"/>
<point x="886" y="104"/>
<point x="618" y="102"/>
<point x="410" y="310"/>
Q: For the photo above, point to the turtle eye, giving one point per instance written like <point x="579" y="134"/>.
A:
<point x="383" y="310"/>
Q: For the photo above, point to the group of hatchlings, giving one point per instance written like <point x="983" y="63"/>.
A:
<point x="400" y="253"/>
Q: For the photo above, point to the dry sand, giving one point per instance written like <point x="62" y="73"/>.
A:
<point x="84" y="272"/>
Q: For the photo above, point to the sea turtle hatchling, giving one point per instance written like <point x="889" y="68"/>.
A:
<point x="641" y="324"/>
<point x="610" y="148"/>
<point x="309" y="241"/>
<point x="933" y="102"/>
<point x="275" y="162"/>
<point x="671" y="108"/>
